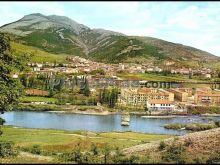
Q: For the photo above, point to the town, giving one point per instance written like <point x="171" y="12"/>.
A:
<point x="78" y="64"/>
<point x="153" y="96"/>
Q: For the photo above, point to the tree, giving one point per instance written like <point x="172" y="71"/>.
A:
<point x="100" y="97"/>
<point x="24" y="80"/>
<point x="94" y="149"/>
<point x="10" y="88"/>
<point x="219" y="74"/>
<point x="85" y="88"/>
<point x="109" y="97"/>
<point x="76" y="80"/>
<point x="106" y="153"/>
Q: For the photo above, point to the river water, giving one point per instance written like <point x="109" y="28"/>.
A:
<point x="98" y="123"/>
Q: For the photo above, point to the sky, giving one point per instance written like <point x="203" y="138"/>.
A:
<point x="192" y="23"/>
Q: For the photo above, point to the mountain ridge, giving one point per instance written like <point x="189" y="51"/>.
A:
<point x="62" y="35"/>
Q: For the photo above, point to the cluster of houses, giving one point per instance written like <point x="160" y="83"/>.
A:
<point x="78" y="65"/>
<point x="168" y="99"/>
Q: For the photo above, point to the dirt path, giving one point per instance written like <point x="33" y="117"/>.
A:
<point x="39" y="157"/>
<point x="143" y="147"/>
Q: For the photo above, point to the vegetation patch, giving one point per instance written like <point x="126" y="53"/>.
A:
<point x="193" y="126"/>
<point x="37" y="55"/>
<point x="196" y="110"/>
<point x="29" y="99"/>
<point x="37" y="107"/>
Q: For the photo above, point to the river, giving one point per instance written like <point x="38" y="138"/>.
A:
<point x="98" y="123"/>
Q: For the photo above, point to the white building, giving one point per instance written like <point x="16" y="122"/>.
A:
<point x="15" y="76"/>
<point x="160" y="105"/>
<point x="36" y="69"/>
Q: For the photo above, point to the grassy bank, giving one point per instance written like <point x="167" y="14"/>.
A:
<point x="48" y="142"/>
<point x="29" y="99"/>
<point x="75" y="108"/>
<point x="37" y="107"/>
<point x="193" y="126"/>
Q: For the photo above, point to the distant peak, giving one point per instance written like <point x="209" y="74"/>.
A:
<point x="34" y="14"/>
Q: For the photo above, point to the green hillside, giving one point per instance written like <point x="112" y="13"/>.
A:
<point x="124" y="48"/>
<point x="49" y="41"/>
<point x="37" y="55"/>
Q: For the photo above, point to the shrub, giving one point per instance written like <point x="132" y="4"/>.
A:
<point x="198" y="160"/>
<point x="173" y="126"/>
<point x="174" y="152"/>
<point x="35" y="149"/>
<point x="188" y="142"/>
<point x="67" y="156"/>
<point x="94" y="149"/>
<point x="2" y="121"/>
<point x="162" y="145"/>
<point x="200" y="126"/>
<point x="78" y="156"/>
<point x="217" y="123"/>
<point x="214" y="159"/>
<point x="192" y="126"/>
<point x="128" y="159"/>
<point x="6" y="149"/>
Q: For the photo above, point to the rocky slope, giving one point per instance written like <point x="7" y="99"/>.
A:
<point x="203" y="142"/>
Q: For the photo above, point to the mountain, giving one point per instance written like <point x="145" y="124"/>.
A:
<point x="61" y="35"/>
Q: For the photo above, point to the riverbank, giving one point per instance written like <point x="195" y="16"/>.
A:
<point x="56" y="146"/>
<point x="212" y="115"/>
<point x="86" y="112"/>
<point x="53" y="108"/>
<point x="103" y="110"/>
<point x="162" y="117"/>
<point x="54" y="143"/>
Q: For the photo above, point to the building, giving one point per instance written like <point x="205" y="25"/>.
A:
<point x="209" y="98"/>
<point x="179" y="95"/>
<point x="71" y="70"/>
<point x="140" y="96"/>
<point x="160" y="105"/>
<point x="189" y="91"/>
<point x="204" y="90"/>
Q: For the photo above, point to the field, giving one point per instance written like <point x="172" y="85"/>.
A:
<point x="155" y="77"/>
<point x="28" y="99"/>
<point x="199" y="147"/>
<point x="65" y="140"/>
<point x="57" y="141"/>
